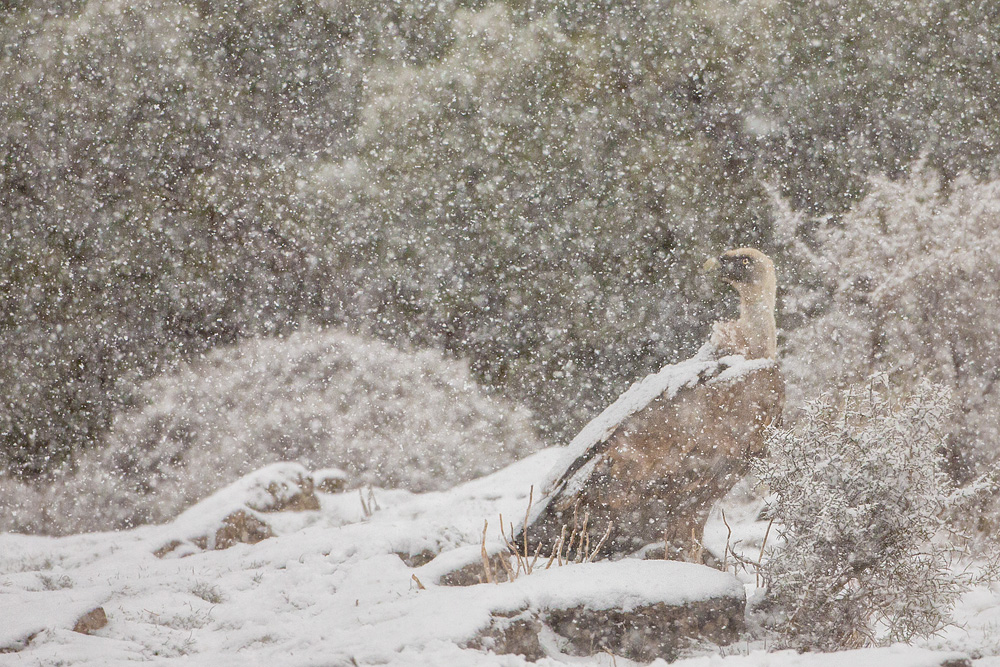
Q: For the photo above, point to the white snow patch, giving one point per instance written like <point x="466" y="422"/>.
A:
<point x="331" y="590"/>
<point x="625" y="584"/>
<point x="24" y="614"/>
<point x="893" y="656"/>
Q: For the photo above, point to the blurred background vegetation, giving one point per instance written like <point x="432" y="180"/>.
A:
<point x="530" y="185"/>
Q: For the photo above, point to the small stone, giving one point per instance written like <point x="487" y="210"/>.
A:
<point x="418" y="559"/>
<point x="167" y="548"/>
<point x="241" y="528"/>
<point x="92" y="621"/>
<point x="330" y="480"/>
<point x="516" y="634"/>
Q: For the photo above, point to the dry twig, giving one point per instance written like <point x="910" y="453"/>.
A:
<point x="487" y="569"/>
<point x="729" y="535"/>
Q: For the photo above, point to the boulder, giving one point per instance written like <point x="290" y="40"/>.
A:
<point x="649" y="631"/>
<point x="642" y="610"/>
<point x="238" y="528"/>
<point x="280" y="487"/>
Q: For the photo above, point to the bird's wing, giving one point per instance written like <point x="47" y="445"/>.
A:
<point x="585" y="453"/>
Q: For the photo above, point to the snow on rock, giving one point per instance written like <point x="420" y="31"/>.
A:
<point x="625" y="585"/>
<point x="272" y="488"/>
<point x="670" y="379"/>
<point x="640" y="609"/>
<point x="892" y="656"/>
<point x="330" y="480"/>
<point x="232" y="515"/>
<point x="25" y="614"/>
<point x="331" y="588"/>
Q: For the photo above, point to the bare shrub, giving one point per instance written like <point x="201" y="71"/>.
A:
<point x="208" y="593"/>
<point x="907" y="281"/>
<point x="862" y="503"/>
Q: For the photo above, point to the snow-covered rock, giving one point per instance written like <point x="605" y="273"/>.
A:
<point x="337" y="586"/>
<point x="91" y="622"/>
<point x="24" y="614"/>
<point x="639" y="609"/>
<point x="233" y="515"/>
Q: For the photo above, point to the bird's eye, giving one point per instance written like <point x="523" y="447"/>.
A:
<point x="746" y="261"/>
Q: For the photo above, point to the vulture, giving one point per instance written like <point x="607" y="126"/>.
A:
<point x="648" y="469"/>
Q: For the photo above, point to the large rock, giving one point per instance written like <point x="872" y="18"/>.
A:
<point x="641" y="610"/>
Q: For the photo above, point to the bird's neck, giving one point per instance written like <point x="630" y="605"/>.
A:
<point x="759" y="329"/>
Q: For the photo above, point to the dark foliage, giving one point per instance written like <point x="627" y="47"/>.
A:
<point x="530" y="185"/>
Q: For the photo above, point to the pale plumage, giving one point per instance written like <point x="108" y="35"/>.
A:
<point x="654" y="462"/>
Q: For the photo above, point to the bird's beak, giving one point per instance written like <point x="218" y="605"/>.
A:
<point x="710" y="266"/>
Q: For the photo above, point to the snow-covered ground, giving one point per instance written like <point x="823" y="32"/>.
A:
<point x="333" y="587"/>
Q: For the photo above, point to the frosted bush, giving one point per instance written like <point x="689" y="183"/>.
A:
<point x="908" y="281"/>
<point x="391" y="418"/>
<point x="861" y="503"/>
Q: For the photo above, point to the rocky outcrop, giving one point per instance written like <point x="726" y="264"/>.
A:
<point x="648" y="632"/>
<point x="514" y="633"/>
<point x="238" y="528"/>
<point x="641" y="610"/>
<point x="237" y="513"/>
<point x="291" y="493"/>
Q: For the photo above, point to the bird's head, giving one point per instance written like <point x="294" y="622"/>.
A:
<point x="749" y="271"/>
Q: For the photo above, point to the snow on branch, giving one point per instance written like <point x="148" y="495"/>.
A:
<point x="862" y="504"/>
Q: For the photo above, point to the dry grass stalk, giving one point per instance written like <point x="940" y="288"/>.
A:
<point x="760" y="557"/>
<point x="487" y="568"/>
<point x="572" y="535"/>
<point x="371" y="506"/>
<point x="509" y="543"/>
<point x="527" y="514"/>
<point x="582" y="547"/>
<point x="597" y="549"/>
<point x="366" y="511"/>
<point x="538" y="551"/>
<point x="697" y="548"/>
<point x="740" y="561"/>
<point x="729" y="535"/>
<point x="505" y="564"/>
<point x="526" y="561"/>
<point x="556" y="548"/>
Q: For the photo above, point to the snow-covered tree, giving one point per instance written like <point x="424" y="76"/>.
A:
<point x="530" y="185"/>
<point x="908" y="283"/>
<point x="863" y="87"/>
